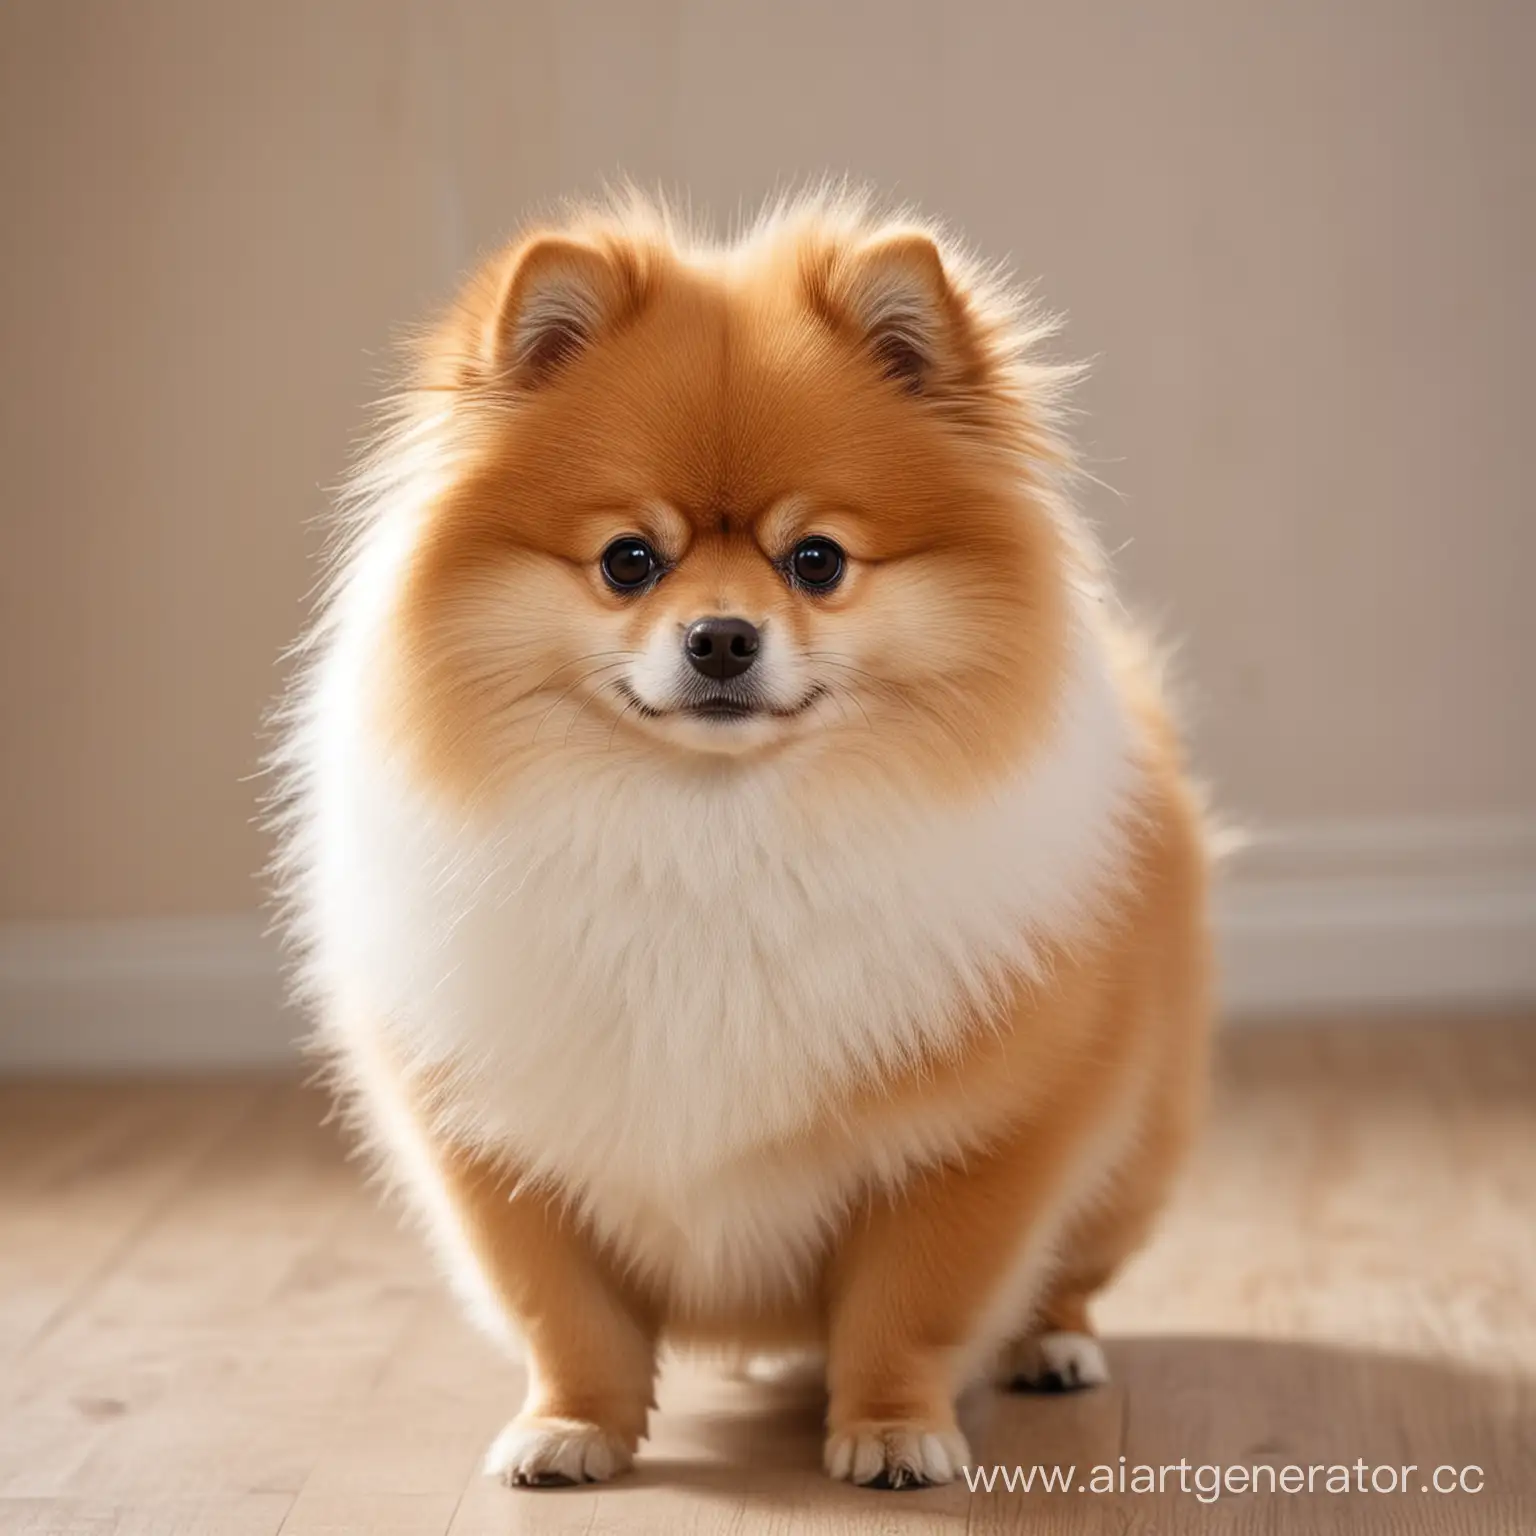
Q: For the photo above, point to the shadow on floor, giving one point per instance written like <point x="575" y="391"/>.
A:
<point x="1208" y="1402"/>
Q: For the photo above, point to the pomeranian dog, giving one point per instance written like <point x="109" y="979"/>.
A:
<point x="741" y="861"/>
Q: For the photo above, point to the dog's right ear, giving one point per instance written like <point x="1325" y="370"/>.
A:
<point x="557" y="296"/>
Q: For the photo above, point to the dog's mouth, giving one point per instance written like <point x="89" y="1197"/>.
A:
<point x="721" y="708"/>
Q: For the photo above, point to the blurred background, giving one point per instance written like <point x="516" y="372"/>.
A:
<point x="1296" y="243"/>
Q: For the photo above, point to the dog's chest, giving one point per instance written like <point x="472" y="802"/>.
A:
<point x="643" y="995"/>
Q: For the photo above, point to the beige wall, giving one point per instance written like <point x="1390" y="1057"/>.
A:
<point x="1297" y="239"/>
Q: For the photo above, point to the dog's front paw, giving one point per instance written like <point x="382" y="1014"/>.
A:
<point x="534" y="1452"/>
<point x="1054" y="1362"/>
<point x="896" y="1454"/>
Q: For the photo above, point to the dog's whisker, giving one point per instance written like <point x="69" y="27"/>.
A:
<point x="575" y="661"/>
<point x="585" y="704"/>
<point x="607" y="666"/>
<point x="858" y="704"/>
<point x="630" y="703"/>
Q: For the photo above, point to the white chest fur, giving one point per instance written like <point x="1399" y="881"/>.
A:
<point x="645" y="979"/>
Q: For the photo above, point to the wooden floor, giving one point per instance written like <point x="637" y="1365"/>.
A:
<point x="207" y="1326"/>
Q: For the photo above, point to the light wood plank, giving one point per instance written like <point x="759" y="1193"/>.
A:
<point x="216" y="1328"/>
<point x="216" y="1357"/>
<point x="256" y="1514"/>
<point x="82" y="1168"/>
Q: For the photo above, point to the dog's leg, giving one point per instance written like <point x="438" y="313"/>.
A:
<point x="1061" y="1352"/>
<point x="1058" y="1350"/>
<point x="915" y="1286"/>
<point x="530" y="1274"/>
<point x="590" y="1349"/>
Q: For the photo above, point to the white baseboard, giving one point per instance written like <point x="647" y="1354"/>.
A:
<point x="1338" y="915"/>
<point x="1412" y="912"/>
<point x="175" y="994"/>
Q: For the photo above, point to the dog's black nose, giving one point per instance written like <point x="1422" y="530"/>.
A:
<point x="721" y="648"/>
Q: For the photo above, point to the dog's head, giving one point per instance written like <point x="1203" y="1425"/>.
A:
<point x="786" y="496"/>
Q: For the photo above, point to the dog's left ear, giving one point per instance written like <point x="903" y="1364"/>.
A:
<point x="894" y="293"/>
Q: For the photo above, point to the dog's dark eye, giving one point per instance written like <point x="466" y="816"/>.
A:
<point x="629" y="563"/>
<point x="817" y="563"/>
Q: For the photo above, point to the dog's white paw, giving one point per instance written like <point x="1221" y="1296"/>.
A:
<point x="1055" y="1362"/>
<point x="896" y="1455"/>
<point x="553" y="1453"/>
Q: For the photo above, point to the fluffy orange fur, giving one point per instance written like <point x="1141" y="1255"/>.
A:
<point x="862" y="381"/>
